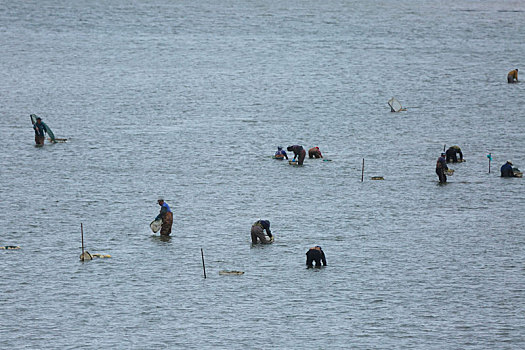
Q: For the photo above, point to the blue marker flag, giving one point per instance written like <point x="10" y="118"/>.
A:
<point x="489" y="156"/>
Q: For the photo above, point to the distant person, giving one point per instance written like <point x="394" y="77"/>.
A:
<point x="315" y="254"/>
<point x="452" y="154"/>
<point x="257" y="232"/>
<point x="298" y="152"/>
<point x="280" y="154"/>
<point x="507" y="170"/>
<point x="40" y="129"/>
<point x="314" y="152"/>
<point x="441" y="167"/>
<point x="512" y="77"/>
<point x="167" y="218"/>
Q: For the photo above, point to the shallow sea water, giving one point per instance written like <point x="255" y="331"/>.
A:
<point x="189" y="101"/>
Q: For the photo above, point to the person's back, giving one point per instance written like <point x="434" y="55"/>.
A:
<point x="506" y="170"/>
<point x="452" y="153"/>
<point x="314" y="152"/>
<point x="512" y="77"/>
<point x="315" y="254"/>
<point x="280" y="153"/>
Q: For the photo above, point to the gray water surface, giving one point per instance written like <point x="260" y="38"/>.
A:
<point x="189" y="100"/>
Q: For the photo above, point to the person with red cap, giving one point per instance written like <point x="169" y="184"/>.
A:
<point x="314" y="152"/>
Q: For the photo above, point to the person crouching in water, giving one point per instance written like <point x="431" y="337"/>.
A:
<point x="452" y="154"/>
<point x="167" y="218"/>
<point x="506" y="169"/>
<point x="441" y="167"/>
<point x="257" y="232"/>
<point x="280" y="154"/>
<point x="315" y="254"/>
<point x="298" y="152"/>
<point x="314" y="152"/>
<point x="512" y="77"/>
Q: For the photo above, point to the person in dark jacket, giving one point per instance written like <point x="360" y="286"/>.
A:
<point x="506" y="169"/>
<point x="257" y="232"/>
<point x="280" y="154"/>
<point x="167" y="218"/>
<point x="452" y="153"/>
<point x="314" y="152"/>
<point x="315" y="254"/>
<point x="441" y="167"/>
<point x="298" y="152"/>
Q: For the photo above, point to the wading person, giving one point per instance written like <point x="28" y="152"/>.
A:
<point x="506" y="169"/>
<point x="167" y="218"/>
<point x="40" y="129"/>
<point x="257" y="232"/>
<point x="280" y="154"/>
<point x="315" y="254"/>
<point x="298" y="152"/>
<point x="314" y="152"/>
<point x="452" y="154"/>
<point x="512" y="77"/>
<point x="441" y="167"/>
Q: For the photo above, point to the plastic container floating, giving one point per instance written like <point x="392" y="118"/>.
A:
<point x="377" y="178"/>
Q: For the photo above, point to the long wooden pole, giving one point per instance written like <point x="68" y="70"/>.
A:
<point x="444" y="146"/>
<point x="490" y="157"/>
<point x="82" y="237"/>
<point x="363" y="170"/>
<point x="203" y="266"/>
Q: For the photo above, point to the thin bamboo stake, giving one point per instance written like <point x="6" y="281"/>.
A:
<point x="82" y="237"/>
<point x="363" y="170"/>
<point x="203" y="266"/>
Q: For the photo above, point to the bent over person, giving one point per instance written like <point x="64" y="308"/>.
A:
<point x="257" y="232"/>
<point x="512" y="77"/>
<point x="167" y="218"/>
<point x="298" y="152"/>
<point x="452" y="154"/>
<point x="506" y="169"/>
<point x="315" y="254"/>
<point x="314" y="152"/>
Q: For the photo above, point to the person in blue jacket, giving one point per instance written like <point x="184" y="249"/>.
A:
<point x="257" y="232"/>
<point x="280" y="154"/>
<point x="506" y="169"/>
<point x="167" y="218"/>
